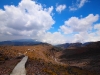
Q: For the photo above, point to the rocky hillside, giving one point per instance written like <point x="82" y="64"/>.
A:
<point x="45" y="59"/>
<point x="87" y="57"/>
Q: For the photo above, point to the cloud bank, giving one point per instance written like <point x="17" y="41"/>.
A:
<point x="83" y="29"/>
<point x="31" y="20"/>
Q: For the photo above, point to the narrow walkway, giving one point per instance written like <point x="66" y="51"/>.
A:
<point x="20" y="67"/>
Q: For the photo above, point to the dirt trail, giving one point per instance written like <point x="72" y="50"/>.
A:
<point x="20" y="67"/>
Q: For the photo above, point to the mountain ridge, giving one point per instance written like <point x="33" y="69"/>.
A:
<point x="21" y="42"/>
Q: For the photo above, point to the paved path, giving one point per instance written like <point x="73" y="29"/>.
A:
<point x="20" y="67"/>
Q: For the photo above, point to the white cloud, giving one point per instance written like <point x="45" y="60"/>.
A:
<point x="78" y="4"/>
<point x="60" y="8"/>
<point x="65" y="30"/>
<point x="97" y="27"/>
<point x="82" y="2"/>
<point x="28" y="20"/>
<point x="75" y="24"/>
<point x="31" y="20"/>
<point x="80" y="37"/>
<point x="82" y="28"/>
<point x="86" y="37"/>
<point x="53" y="38"/>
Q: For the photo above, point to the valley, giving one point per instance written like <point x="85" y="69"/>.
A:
<point x="46" y="59"/>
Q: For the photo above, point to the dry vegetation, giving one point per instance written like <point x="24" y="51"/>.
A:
<point x="41" y="61"/>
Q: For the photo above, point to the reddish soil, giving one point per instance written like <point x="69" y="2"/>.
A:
<point x="7" y="66"/>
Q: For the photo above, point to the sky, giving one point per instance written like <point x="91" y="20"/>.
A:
<point x="51" y="21"/>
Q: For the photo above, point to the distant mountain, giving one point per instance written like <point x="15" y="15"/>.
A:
<point x="21" y="42"/>
<point x="25" y="40"/>
<point x="86" y="43"/>
<point x="73" y="45"/>
<point x="69" y="45"/>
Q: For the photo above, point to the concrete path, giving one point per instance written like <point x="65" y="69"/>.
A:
<point x="20" y="67"/>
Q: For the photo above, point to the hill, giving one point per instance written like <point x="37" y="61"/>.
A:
<point x="86" y="57"/>
<point x="46" y="59"/>
<point x="73" y="45"/>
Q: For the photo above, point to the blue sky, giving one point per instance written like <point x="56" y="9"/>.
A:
<point x="53" y="21"/>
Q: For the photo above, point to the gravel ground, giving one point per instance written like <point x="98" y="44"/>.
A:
<point x="7" y="66"/>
